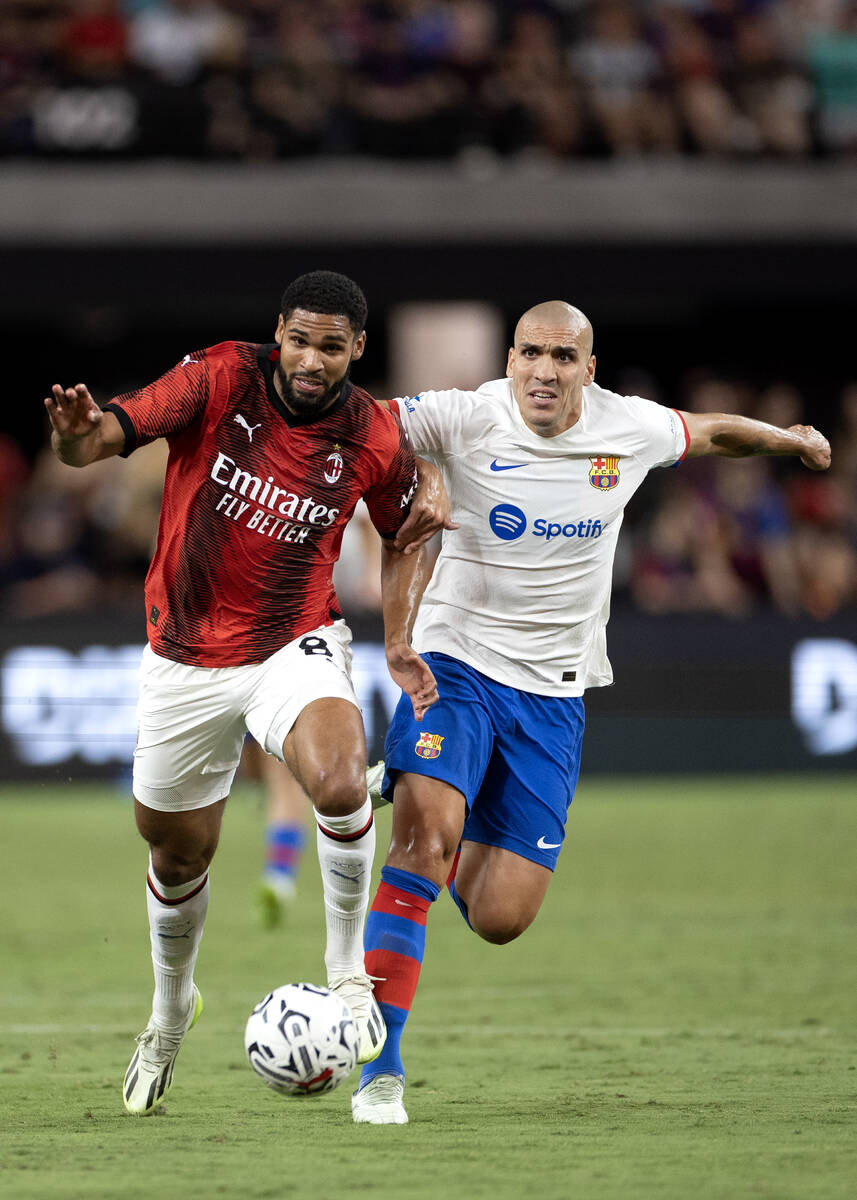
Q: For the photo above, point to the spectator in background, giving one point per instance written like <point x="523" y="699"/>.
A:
<point x="770" y="90"/>
<point x="14" y="470"/>
<point x="826" y="525"/>
<point x="177" y="39"/>
<point x="406" y="100"/>
<point x="52" y="567"/>
<point x="703" y="105"/>
<point x="94" y="107"/>
<point x="624" y="83"/>
<point x="758" y="536"/>
<point x="529" y="100"/>
<point x="846" y="446"/>
<point x="295" y="86"/>
<point x="832" y="53"/>
<point x="722" y="541"/>
<point x="681" y="559"/>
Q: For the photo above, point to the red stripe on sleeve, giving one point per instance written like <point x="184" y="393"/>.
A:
<point x="686" y="434"/>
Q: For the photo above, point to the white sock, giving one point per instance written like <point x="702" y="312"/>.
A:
<point x="176" y="920"/>
<point x="346" y="849"/>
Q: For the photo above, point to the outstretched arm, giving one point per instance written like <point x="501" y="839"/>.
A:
<point x="739" y="437"/>
<point x="80" y="432"/>
<point x="403" y="580"/>
<point x="429" y="510"/>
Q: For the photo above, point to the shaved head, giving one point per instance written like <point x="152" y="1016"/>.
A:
<point x="550" y="364"/>
<point x="557" y="314"/>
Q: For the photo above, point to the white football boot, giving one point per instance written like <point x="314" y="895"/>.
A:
<point x="356" y="991"/>
<point x="374" y="779"/>
<point x="379" y="1102"/>
<point x="150" y="1071"/>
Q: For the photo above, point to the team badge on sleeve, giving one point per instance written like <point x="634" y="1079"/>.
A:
<point x="429" y="745"/>
<point x="604" y="472"/>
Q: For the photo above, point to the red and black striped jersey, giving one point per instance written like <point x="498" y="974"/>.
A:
<point x="255" y="502"/>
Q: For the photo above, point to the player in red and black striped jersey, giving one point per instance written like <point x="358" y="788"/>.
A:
<point x="256" y="500"/>
<point x="271" y="447"/>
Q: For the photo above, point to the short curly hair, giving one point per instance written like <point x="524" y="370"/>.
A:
<point x="327" y="292"/>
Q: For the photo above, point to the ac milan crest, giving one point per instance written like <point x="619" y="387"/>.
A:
<point x="333" y="466"/>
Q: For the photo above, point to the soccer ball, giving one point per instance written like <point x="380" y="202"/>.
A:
<point x="301" y="1040"/>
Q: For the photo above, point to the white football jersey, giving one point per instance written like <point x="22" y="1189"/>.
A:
<point x="521" y="591"/>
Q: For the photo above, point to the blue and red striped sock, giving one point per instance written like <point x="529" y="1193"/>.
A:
<point x="394" y="941"/>
<point x="284" y="845"/>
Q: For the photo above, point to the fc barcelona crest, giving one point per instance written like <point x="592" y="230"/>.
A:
<point x="604" y="472"/>
<point x="333" y="466"/>
<point x="429" y="745"/>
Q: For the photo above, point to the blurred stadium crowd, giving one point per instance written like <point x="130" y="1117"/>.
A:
<point x="469" y="80"/>
<point x="711" y="536"/>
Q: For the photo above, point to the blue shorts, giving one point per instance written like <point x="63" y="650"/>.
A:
<point x="513" y="755"/>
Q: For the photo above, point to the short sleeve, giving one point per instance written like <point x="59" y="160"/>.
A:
<point x="389" y="500"/>
<point x="663" y="436"/>
<point x="435" y="421"/>
<point x="165" y="407"/>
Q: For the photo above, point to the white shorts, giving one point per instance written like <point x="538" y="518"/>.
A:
<point x="192" y="720"/>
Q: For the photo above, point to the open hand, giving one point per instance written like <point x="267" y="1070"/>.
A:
<point x="413" y="676"/>
<point x="72" y="411"/>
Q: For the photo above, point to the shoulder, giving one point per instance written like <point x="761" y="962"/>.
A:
<point x="230" y="354"/>
<point x="615" y="409"/>
<point x="370" y="409"/>
<point x="376" y="426"/>
<point x="641" y="426"/>
<point x="458" y="402"/>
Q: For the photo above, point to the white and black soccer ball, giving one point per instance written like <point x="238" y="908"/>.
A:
<point x="301" y="1040"/>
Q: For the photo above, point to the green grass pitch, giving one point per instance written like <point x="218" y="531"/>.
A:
<point x="678" y="1023"/>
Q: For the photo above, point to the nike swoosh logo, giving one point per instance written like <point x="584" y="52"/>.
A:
<point x="495" y="466"/>
<point x="403" y="903"/>
<point x="543" y="845"/>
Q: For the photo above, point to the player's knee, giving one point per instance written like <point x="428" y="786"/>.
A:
<point x="428" y="853"/>
<point x="339" y="790"/>
<point x="175" y="866"/>
<point x="497" y="927"/>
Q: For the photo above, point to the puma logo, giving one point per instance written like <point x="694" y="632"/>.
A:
<point x="239" y="420"/>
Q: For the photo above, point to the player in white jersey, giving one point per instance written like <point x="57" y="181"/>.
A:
<point x="539" y="467"/>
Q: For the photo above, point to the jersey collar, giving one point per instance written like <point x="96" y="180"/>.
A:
<point x="267" y="357"/>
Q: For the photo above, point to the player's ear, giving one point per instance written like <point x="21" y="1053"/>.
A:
<point x="280" y="331"/>
<point x="590" y="371"/>
<point x="359" y="346"/>
<point x="510" y="362"/>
